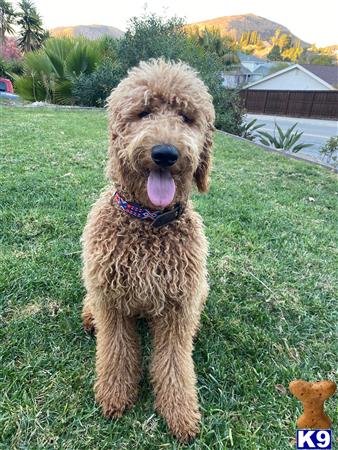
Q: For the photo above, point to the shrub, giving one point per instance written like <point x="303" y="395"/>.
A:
<point x="329" y="151"/>
<point x="151" y="36"/>
<point x="93" y="89"/>
<point x="285" y="141"/>
<point x="49" y="74"/>
<point x="248" y="129"/>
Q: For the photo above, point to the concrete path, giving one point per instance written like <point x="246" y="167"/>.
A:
<point x="316" y="132"/>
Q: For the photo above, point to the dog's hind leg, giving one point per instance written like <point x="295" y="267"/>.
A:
<point x="172" y="373"/>
<point x="88" y="314"/>
<point x="117" y="361"/>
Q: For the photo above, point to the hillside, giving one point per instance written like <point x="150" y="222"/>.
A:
<point x="89" y="31"/>
<point x="236" y="25"/>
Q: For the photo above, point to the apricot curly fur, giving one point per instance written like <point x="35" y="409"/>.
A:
<point x="130" y="268"/>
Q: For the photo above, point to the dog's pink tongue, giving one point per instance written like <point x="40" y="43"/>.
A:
<point x="161" y="187"/>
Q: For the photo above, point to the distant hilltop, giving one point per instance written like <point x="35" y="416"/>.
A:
<point x="88" y="31"/>
<point x="235" y="26"/>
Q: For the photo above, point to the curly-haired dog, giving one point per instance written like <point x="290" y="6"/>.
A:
<point x="144" y="247"/>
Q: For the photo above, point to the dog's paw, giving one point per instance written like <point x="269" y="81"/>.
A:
<point x="184" y="425"/>
<point x="113" y="399"/>
<point x="183" y="419"/>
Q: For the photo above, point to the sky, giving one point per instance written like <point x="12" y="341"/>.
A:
<point x="312" y="21"/>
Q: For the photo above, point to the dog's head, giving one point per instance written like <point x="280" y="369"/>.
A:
<point x="160" y="124"/>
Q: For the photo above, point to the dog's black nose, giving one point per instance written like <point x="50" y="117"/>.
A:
<point x="164" y="155"/>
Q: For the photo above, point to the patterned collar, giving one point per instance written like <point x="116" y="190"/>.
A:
<point x="159" y="218"/>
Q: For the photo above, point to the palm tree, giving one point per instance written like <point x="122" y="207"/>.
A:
<point x="7" y="20"/>
<point x="224" y="46"/>
<point x="50" y="73"/>
<point x="32" y="34"/>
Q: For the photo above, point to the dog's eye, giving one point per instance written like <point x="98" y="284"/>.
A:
<point x="143" y="114"/>
<point x="185" y="118"/>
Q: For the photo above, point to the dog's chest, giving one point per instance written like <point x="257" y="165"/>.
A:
<point x="143" y="270"/>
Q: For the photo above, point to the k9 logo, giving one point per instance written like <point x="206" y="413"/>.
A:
<point x="314" y="439"/>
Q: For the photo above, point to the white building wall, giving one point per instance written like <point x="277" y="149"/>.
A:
<point x="293" y="80"/>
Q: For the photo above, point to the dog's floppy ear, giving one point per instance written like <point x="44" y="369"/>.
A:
<point x="201" y="174"/>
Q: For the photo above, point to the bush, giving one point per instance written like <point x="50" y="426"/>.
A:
<point x="286" y="141"/>
<point x="49" y="73"/>
<point x="10" y="68"/>
<point x="93" y="89"/>
<point x="11" y="62"/>
<point x="329" y="151"/>
<point x="153" y="37"/>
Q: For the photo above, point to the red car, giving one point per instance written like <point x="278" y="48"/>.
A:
<point x="6" y="89"/>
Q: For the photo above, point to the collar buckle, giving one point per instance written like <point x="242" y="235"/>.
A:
<point x="168" y="216"/>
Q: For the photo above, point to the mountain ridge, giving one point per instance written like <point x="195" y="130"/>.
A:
<point x="233" y="25"/>
<point x="90" y="31"/>
<point x="237" y="24"/>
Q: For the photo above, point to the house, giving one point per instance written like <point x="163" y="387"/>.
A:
<point x="299" y="77"/>
<point x="250" y="69"/>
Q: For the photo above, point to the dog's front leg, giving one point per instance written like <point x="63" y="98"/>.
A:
<point x="117" y="361"/>
<point x="172" y="373"/>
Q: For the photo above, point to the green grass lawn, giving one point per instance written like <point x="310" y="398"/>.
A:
<point x="270" y="317"/>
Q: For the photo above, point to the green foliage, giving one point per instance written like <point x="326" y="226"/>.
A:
<point x="152" y="37"/>
<point x="7" y="19"/>
<point x="284" y="42"/>
<point x="250" y="38"/>
<point x="275" y="54"/>
<point x="318" y="56"/>
<point x="3" y="67"/>
<point x="32" y="35"/>
<point x="78" y="71"/>
<point x="248" y="129"/>
<point x="329" y="151"/>
<point x="10" y="68"/>
<point x="108" y="48"/>
<point x="212" y="41"/>
<point x="93" y="89"/>
<point x="293" y="53"/>
<point x="49" y="73"/>
<point x="275" y="38"/>
<point x="283" y="49"/>
<point x="285" y="141"/>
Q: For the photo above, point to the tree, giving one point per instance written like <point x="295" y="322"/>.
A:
<point x="275" y="54"/>
<point x="7" y="20"/>
<point x="294" y="53"/>
<point x="284" y="42"/>
<point x="151" y="36"/>
<point x="223" y="46"/>
<point x="276" y="36"/>
<point x="50" y="73"/>
<point x="324" y="60"/>
<point x="32" y="35"/>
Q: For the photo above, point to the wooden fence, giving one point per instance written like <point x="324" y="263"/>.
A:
<point x="315" y="104"/>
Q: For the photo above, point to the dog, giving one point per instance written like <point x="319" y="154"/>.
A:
<point x="144" y="248"/>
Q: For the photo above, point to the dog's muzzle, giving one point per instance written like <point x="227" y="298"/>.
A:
<point x="164" y="155"/>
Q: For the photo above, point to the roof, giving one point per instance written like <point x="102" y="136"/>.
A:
<point x="249" y="58"/>
<point x="290" y="68"/>
<point x="264" y="69"/>
<point x="326" y="73"/>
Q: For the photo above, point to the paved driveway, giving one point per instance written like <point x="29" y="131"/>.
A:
<point x="316" y="132"/>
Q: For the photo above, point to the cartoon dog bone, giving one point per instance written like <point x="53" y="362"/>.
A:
<point x="313" y="395"/>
